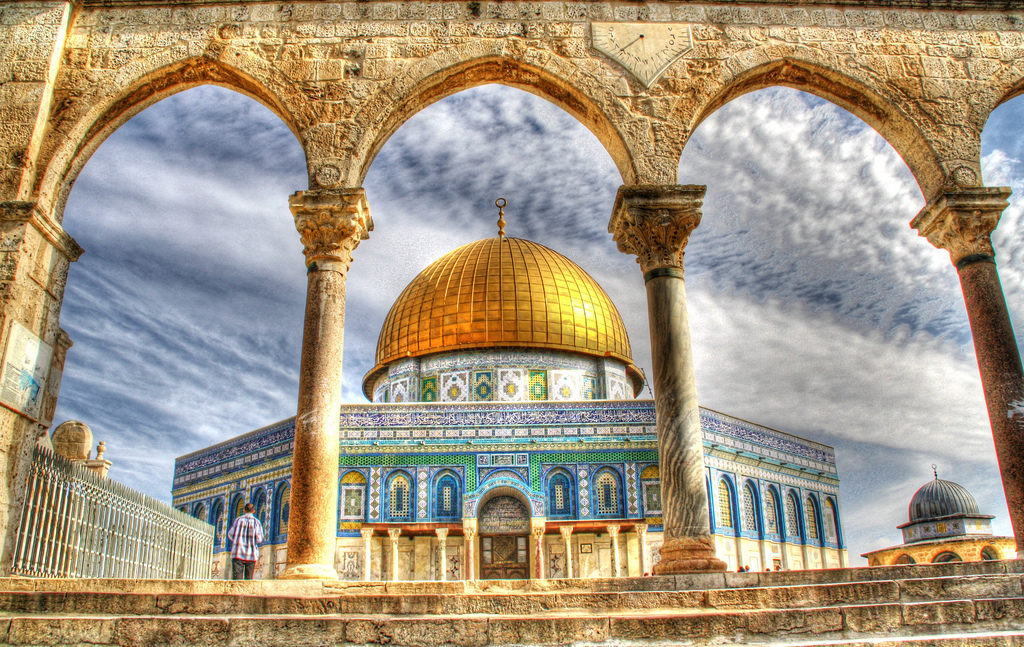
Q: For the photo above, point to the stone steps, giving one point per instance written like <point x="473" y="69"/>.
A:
<point x="953" y="605"/>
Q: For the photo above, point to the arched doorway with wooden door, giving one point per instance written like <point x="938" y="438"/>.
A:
<point x="504" y="527"/>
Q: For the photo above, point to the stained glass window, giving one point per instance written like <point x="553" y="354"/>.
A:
<point x="749" y="509"/>
<point x="447" y="503"/>
<point x="399" y="498"/>
<point x="724" y="504"/>
<point x="771" y="506"/>
<point x="830" y="521"/>
<point x="810" y="510"/>
<point x="792" y="520"/>
<point x="559" y="496"/>
<point x="607" y="493"/>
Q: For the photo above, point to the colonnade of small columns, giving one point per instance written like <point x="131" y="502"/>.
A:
<point x="537" y="537"/>
<point x="652" y="222"/>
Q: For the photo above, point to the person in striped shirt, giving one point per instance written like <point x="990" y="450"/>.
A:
<point x="245" y="535"/>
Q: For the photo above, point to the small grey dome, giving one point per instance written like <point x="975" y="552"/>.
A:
<point x="938" y="498"/>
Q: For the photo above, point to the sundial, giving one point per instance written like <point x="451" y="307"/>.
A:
<point x="646" y="49"/>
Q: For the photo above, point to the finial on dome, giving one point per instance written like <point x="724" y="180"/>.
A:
<point x="935" y="472"/>
<point x="500" y="203"/>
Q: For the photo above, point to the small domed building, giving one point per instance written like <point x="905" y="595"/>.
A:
<point x="503" y="440"/>
<point x="945" y="526"/>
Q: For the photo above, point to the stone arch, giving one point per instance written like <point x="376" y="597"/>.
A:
<point x="496" y="62"/>
<point x="507" y="490"/>
<point x="81" y="127"/>
<point x="499" y="486"/>
<point x="806" y="74"/>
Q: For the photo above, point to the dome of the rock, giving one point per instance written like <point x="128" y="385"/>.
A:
<point x="938" y="499"/>
<point x="502" y="293"/>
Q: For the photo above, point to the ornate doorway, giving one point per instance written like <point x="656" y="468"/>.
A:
<point x="504" y="524"/>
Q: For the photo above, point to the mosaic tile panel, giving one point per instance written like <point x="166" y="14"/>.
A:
<point x="428" y="389"/>
<point x="538" y="385"/>
<point x="400" y="390"/>
<point x="375" y="493"/>
<point x="397" y="460"/>
<point x="596" y="456"/>
<point x="422" y="491"/>
<point x="632" y="497"/>
<point x="454" y="387"/>
<point x="617" y="388"/>
<point x="511" y="384"/>
<point x="483" y="386"/>
<point x="583" y="485"/>
<point x="565" y="385"/>
<point x="591" y="388"/>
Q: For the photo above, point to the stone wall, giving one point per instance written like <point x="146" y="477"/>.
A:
<point x="346" y="75"/>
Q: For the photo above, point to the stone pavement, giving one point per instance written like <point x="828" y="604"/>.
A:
<point x="948" y="604"/>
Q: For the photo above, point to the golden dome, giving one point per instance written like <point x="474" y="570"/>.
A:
<point x="502" y="292"/>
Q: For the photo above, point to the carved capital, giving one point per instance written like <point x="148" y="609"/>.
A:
<point x="654" y="221"/>
<point x="565" y="531"/>
<point x="961" y="221"/>
<point x="367" y="533"/>
<point x="537" y="532"/>
<point x="331" y="222"/>
<point x="30" y="212"/>
<point x="442" y="533"/>
<point x="613" y="530"/>
<point x="641" y="529"/>
<point x="394" y="533"/>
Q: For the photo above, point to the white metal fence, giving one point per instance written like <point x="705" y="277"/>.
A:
<point x="75" y="523"/>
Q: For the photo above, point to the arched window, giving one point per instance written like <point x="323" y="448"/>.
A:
<point x="446" y="498"/>
<point x="400" y="497"/>
<point x="771" y="511"/>
<point x="560" y="495"/>
<point x="811" y="510"/>
<point x="237" y="505"/>
<point x="609" y="503"/>
<point x="259" y="501"/>
<point x="792" y="518"/>
<point x="830" y="518"/>
<point x="217" y="519"/>
<point x="988" y="553"/>
<point x="904" y="559"/>
<point x="282" y="506"/>
<point x="749" y="509"/>
<point x="352" y="496"/>
<point x="946" y="556"/>
<point x="199" y="511"/>
<point x="724" y="504"/>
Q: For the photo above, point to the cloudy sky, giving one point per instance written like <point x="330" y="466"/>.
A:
<point x="815" y="308"/>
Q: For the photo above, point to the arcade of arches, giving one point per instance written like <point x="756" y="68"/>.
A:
<point x="641" y="76"/>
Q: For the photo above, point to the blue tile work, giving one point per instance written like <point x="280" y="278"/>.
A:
<point x="517" y="445"/>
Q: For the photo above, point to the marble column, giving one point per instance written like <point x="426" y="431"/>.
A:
<point x="613" y="532"/>
<point x="654" y="223"/>
<point x="566" y="532"/>
<point x="331" y="224"/>
<point x="961" y="221"/>
<point x="641" y="531"/>
<point x="442" y="553"/>
<point x="367" y="534"/>
<point x="393" y="535"/>
<point x="469" y="541"/>
<point x="537" y="534"/>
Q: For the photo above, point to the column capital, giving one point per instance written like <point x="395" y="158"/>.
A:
<point x="394" y="533"/>
<point x="331" y="223"/>
<point x="367" y="533"/>
<point x="654" y="222"/>
<point x="442" y="533"/>
<point x="962" y="220"/>
<point x="565" y="531"/>
<point x="613" y="529"/>
<point x="30" y="212"/>
<point x="537" y="532"/>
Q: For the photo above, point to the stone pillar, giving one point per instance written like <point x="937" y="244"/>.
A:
<point x="613" y="532"/>
<point x="654" y="223"/>
<point x="566" y="532"/>
<point x="367" y="534"/>
<point x="393" y="535"/>
<point x="961" y="221"/>
<point x="469" y="540"/>
<point x="641" y="531"/>
<point x="442" y="552"/>
<point x="537" y="534"/>
<point x="331" y="223"/>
